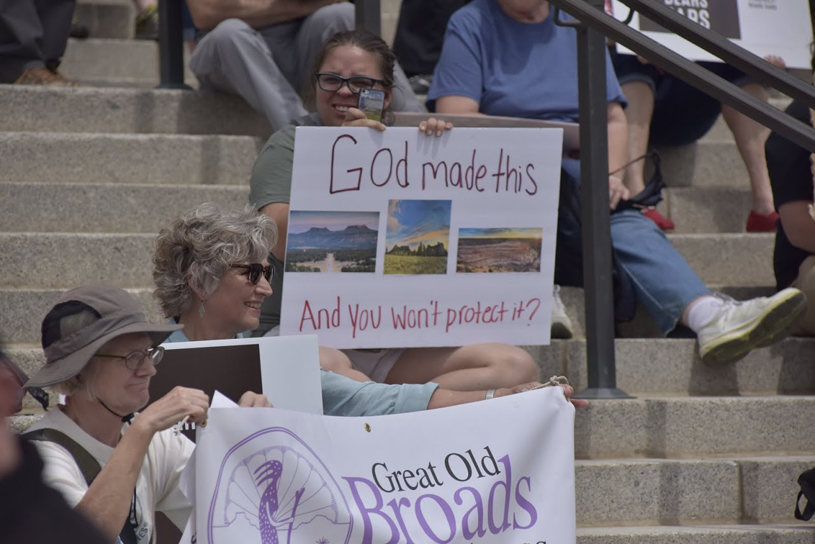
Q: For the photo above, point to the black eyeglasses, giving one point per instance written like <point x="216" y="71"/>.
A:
<point x="254" y="270"/>
<point x="333" y="82"/>
<point x="134" y="360"/>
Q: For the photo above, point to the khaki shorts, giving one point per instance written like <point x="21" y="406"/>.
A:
<point x="374" y="363"/>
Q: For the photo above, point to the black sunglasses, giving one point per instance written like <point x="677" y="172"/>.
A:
<point x="254" y="270"/>
<point x="333" y="82"/>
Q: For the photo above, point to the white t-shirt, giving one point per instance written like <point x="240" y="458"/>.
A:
<point x="157" y="485"/>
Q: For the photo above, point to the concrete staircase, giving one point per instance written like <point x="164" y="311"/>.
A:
<point x="700" y="455"/>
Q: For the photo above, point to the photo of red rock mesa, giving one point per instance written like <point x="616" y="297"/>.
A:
<point x="330" y="242"/>
<point x="499" y="250"/>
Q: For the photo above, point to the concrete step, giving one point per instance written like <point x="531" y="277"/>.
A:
<point x="106" y="60"/>
<point x="95" y="208"/>
<point x="695" y="427"/>
<point x="725" y="259"/>
<point x="729" y="259"/>
<point x="128" y="111"/>
<point x="651" y="366"/>
<point x="21" y="422"/>
<point x="645" y="367"/>
<point x="707" y="163"/>
<point x="799" y="533"/>
<point x="127" y="158"/>
<point x="23" y="311"/>
<point x="700" y="210"/>
<point x="670" y="491"/>
<point x="123" y="260"/>
<point x="107" y="18"/>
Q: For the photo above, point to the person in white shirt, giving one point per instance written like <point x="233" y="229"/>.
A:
<point x="101" y="353"/>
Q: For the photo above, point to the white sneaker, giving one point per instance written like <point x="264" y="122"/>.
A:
<point x="561" y="324"/>
<point x="739" y="327"/>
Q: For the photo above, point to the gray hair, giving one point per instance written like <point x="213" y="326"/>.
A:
<point x="84" y="381"/>
<point x="194" y="253"/>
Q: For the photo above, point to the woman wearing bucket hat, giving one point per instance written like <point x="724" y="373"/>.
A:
<point x="117" y="469"/>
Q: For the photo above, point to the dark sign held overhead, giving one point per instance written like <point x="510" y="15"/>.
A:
<point x="720" y="16"/>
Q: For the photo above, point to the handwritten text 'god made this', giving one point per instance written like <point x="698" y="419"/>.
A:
<point x="390" y="167"/>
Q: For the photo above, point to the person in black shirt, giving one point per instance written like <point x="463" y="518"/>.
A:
<point x="791" y="179"/>
<point x="30" y="511"/>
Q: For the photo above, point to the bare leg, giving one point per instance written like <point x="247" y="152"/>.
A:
<point x="469" y="368"/>
<point x="750" y="137"/>
<point x="639" y="112"/>
<point x="142" y="5"/>
<point x="337" y="362"/>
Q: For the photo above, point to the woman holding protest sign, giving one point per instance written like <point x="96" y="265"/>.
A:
<point x="348" y="63"/>
<point x="212" y="276"/>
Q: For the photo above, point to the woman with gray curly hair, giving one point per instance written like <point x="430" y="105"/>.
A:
<point x="211" y="276"/>
<point x="211" y="272"/>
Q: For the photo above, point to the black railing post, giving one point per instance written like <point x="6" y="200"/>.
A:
<point x="369" y="16"/>
<point x="597" y="262"/>
<point x="171" y="45"/>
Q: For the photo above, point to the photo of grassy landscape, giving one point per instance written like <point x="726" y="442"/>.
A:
<point x="417" y="236"/>
<point x="331" y="242"/>
<point x="499" y="250"/>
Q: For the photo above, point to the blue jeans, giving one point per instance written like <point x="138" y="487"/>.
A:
<point x="662" y="279"/>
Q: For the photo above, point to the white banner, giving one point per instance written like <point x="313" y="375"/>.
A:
<point x="456" y="475"/>
<point x="397" y="239"/>
<point x="763" y="27"/>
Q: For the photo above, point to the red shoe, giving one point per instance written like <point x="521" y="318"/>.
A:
<point x="662" y="222"/>
<point x="757" y="222"/>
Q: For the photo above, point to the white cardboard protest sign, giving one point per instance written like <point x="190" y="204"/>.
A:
<point x="763" y="27"/>
<point x="397" y="239"/>
<point x="289" y="368"/>
<point x="456" y="475"/>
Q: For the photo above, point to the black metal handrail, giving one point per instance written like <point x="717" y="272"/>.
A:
<point x="369" y="16"/>
<point x="594" y="22"/>
<point x="171" y="45"/>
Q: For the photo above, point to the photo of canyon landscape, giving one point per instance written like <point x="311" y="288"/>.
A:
<point x="499" y="250"/>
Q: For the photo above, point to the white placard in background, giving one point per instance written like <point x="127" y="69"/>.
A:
<point x="459" y="474"/>
<point x="429" y="241"/>
<point x="763" y="27"/>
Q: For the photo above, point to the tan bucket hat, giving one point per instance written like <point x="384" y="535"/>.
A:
<point x="108" y="312"/>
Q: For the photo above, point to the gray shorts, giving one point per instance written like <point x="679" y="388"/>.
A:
<point x="374" y="363"/>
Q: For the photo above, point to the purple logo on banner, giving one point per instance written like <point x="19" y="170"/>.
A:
<point x="720" y="16"/>
<point x="273" y="485"/>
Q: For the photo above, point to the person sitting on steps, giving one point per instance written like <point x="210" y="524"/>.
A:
<point x="480" y="73"/>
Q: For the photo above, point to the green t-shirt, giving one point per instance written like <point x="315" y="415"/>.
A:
<point x="271" y="183"/>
